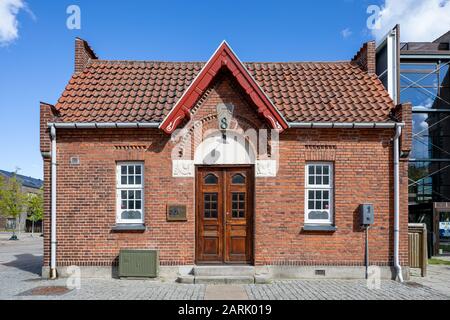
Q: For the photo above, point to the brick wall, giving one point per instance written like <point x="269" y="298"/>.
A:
<point x="365" y="57"/>
<point x="363" y="173"/>
<point x="47" y="114"/>
<point x="403" y="113"/>
<point x="83" y="53"/>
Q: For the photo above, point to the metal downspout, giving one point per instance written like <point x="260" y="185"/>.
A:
<point x="398" y="268"/>
<point x="53" y="205"/>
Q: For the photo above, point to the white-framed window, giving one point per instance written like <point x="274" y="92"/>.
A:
<point x="130" y="192"/>
<point x="319" y="193"/>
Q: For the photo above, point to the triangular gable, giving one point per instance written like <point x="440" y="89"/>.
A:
<point x="224" y="57"/>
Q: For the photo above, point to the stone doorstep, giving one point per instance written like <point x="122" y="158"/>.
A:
<point x="223" y="275"/>
<point x="201" y="271"/>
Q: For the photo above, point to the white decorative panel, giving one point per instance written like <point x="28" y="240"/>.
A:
<point x="183" y="168"/>
<point x="214" y="150"/>
<point x="266" y="168"/>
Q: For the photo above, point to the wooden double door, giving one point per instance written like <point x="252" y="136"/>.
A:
<point x="224" y="231"/>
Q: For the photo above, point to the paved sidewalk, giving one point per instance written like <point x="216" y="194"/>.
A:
<point x="438" y="278"/>
<point x="20" y="267"/>
<point x="342" y="290"/>
<point x="20" y="278"/>
<point x="225" y="292"/>
<point x="20" y="263"/>
<point x="114" y="289"/>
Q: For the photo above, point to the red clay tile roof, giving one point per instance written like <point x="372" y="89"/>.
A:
<point x="133" y="91"/>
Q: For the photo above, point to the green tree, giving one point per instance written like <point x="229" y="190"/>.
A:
<point x="12" y="201"/>
<point x="35" y="209"/>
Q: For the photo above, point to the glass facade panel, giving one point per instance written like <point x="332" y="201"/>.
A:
<point x="417" y="66"/>
<point x="426" y="86"/>
<point x="419" y="79"/>
<point x="429" y="181"/>
<point x="444" y="76"/>
<point x="420" y="98"/>
<point x="431" y="135"/>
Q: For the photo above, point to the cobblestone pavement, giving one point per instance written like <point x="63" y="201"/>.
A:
<point x="341" y="290"/>
<point x="20" y="273"/>
<point x="114" y="289"/>
<point x="20" y="267"/>
<point x="438" y="278"/>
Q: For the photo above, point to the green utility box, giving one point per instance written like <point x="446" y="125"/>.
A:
<point x="138" y="263"/>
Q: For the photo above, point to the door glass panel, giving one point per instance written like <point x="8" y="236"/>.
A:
<point x="210" y="205"/>
<point x="238" y="204"/>
<point x="238" y="179"/>
<point x="210" y="179"/>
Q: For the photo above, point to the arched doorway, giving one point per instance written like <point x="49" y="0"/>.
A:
<point x="224" y="200"/>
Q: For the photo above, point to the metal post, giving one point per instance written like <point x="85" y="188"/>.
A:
<point x="367" y="252"/>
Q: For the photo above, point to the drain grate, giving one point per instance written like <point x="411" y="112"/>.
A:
<point x="46" y="291"/>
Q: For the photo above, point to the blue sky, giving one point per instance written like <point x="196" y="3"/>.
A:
<point x="36" y="64"/>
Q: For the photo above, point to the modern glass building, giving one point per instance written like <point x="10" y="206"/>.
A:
<point x="418" y="72"/>
<point x="424" y="81"/>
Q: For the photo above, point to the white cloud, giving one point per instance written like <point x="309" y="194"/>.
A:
<point x="420" y="20"/>
<point x="346" y="33"/>
<point x="9" y="10"/>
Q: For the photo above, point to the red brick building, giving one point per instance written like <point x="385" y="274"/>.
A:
<point x="269" y="162"/>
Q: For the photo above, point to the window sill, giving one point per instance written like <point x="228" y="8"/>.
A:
<point x="129" y="227"/>
<point x="319" y="227"/>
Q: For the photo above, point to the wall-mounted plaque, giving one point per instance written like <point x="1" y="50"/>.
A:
<point x="176" y="212"/>
<point x="224" y="115"/>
